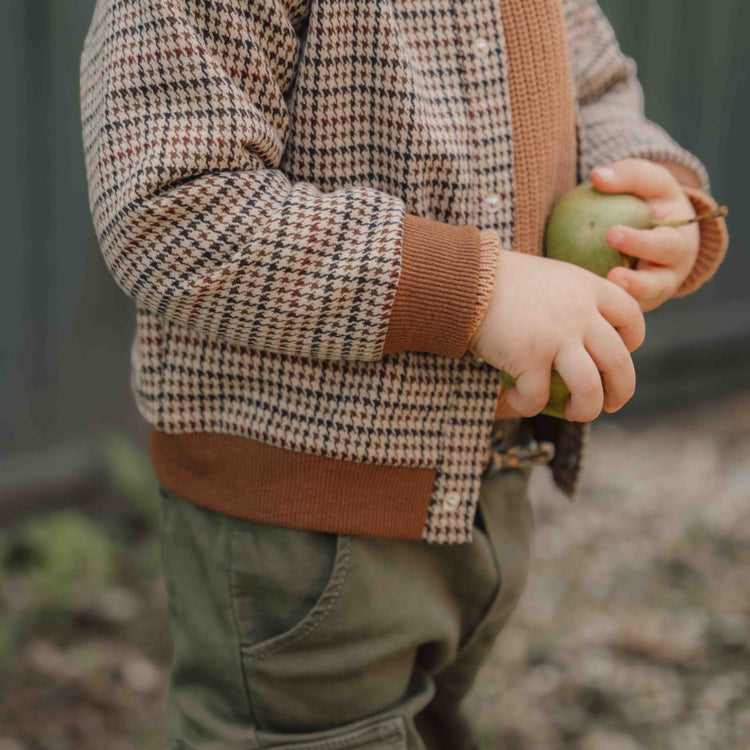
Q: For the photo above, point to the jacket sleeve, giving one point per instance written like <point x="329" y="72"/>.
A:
<point x="185" y="119"/>
<point x="612" y="124"/>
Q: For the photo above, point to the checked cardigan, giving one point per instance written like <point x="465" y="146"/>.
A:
<point x="305" y="199"/>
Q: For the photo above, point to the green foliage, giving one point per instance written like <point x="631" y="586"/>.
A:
<point x="8" y="637"/>
<point x="129" y="472"/>
<point x="57" y="564"/>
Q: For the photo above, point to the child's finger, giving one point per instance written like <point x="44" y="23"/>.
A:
<point x="644" y="285"/>
<point x="503" y="410"/>
<point x="663" y="245"/>
<point x="622" y="312"/>
<point x="637" y="176"/>
<point x="614" y="362"/>
<point x="531" y="392"/>
<point x="584" y="382"/>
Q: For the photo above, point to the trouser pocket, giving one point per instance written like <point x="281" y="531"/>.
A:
<point x="388" y="734"/>
<point x="284" y="583"/>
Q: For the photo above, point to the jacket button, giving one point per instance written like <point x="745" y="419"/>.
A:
<point x="451" y="501"/>
<point x="481" y="46"/>
<point x="492" y="202"/>
<point x="477" y="360"/>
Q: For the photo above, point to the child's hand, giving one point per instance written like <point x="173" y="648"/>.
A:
<point x="666" y="254"/>
<point x="546" y="314"/>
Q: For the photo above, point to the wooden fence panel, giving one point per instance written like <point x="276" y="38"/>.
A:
<point x="66" y="327"/>
<point x="694" y="63"/>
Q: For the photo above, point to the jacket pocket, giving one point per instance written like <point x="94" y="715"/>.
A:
<point x="283" y="582"/>
<point x="387" y="734"/>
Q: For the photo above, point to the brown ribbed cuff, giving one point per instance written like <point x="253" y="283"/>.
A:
<point x="713" y="246"/>
<point x="489" y="257"/>
<point x="437" y="291"/>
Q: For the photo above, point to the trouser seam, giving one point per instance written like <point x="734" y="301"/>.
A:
<point x="235" y="623"/>
<point x="498" y="592"/>
<point x="494" y="599"/>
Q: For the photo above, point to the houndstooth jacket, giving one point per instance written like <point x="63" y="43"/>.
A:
<point x="302" y="198"/>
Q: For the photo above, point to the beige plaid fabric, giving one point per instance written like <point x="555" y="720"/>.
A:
<point x="250" y="165"/>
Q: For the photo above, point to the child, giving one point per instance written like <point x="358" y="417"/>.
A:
<point x="330" y="214"/>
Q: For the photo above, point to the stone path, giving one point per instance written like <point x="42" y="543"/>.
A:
<point x="634" y="631"/>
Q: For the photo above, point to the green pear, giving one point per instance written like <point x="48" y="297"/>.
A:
<point x="575" y="233"/>
<point x="580" y="220"/>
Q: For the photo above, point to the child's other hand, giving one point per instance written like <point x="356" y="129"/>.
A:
<point x="666" y="255"/>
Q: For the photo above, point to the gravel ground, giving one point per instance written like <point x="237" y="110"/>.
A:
<point x="633" y="632"/>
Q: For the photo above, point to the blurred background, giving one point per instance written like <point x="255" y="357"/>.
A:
<point x="633" y="632"/>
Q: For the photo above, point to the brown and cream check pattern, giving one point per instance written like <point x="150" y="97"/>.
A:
<point x="251" y="166"/>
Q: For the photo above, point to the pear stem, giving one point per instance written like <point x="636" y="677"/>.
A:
<point x="718" y="213"/>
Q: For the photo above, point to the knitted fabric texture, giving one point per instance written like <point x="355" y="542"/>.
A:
<point x="293" y="192"/>
<point x="713" y="244"/>
<point x="489" y="256"/>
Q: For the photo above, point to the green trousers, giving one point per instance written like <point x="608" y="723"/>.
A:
<point x="314" y="641"/>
